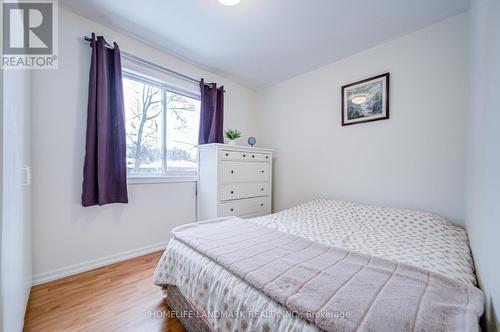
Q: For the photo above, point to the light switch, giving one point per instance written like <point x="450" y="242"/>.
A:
<point x="26" y="175"/>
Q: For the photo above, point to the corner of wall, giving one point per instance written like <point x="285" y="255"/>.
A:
<point x="482" y="158"/>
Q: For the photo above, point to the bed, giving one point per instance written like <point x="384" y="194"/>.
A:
<point x="222" y="300"/>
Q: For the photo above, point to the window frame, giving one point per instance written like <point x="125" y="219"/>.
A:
<point x="167" y="176"/>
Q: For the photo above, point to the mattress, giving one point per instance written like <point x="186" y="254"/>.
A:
<point x="229" y="303"/>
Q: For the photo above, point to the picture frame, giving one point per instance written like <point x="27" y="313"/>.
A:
<point x="366" y="100"/>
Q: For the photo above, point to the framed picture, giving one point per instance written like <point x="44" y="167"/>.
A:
<point x="366" y="100"/>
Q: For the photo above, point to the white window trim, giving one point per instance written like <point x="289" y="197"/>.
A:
<point x="134" y="75"/>
<point x="166" y="177"/>
<point x="138" y="179"/>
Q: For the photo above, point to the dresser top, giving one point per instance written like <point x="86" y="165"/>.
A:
<point x="227" y="147"/>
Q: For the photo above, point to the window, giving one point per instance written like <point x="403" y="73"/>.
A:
<point x="162" y="128"/>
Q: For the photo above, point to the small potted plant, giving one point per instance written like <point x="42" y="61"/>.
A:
<point x="232" y="135"/>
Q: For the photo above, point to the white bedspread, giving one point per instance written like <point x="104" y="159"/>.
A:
<point x="417" y="238"/>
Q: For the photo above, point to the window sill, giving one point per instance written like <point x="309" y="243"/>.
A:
<point x="162" y="179"/>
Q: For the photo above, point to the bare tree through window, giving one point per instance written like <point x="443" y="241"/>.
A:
<point x="159" y="142"/>
<point x="182" y="131"/>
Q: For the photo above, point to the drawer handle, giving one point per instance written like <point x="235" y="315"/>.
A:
<point x="232" y="192"/>
<point x="227" y="154"/>
<point x="232" y="209"/>
<point x="261" y="189"/>
<point x="244" y="155"/>
<point x="232" y="171"/>
<point x="253" y="156"/>
<point x="261" y="204"/>
<point x="262" y="171"/>
<point x="267" y="157"/>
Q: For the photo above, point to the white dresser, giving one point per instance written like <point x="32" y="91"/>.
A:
<point x="233" y="181"/>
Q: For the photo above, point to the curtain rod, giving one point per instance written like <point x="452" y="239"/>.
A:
<point x="151" y="64"/>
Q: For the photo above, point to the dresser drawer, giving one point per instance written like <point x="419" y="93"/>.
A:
<point x="234" y="171"/>
<point x="243" y="190"/>
<point x="244" y="206"/>
<point x="262" y="157"/>
<point x="255" y="214"/>
<point x="244" y="156"/>
<point x="233" y="155"/>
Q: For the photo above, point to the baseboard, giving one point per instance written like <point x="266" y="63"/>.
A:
<point x="95" y="263"/>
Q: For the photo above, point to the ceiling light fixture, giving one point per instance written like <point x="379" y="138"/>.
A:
<point x="229" y="2"/>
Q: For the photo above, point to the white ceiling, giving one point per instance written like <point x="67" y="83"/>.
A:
<point x="261" y="42"/>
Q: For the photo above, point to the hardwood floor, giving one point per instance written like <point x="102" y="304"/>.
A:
<point x="118" y="297"/>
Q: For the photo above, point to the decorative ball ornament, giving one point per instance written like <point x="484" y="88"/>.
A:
<point x="252" y="141"/>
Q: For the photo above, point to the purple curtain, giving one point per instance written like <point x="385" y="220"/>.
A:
<point x="211" y="113"/>
<point x="104" y="171"/>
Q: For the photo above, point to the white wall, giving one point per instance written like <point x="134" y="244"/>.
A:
<point x="65" y="233"/>
<point x="413" y="160"/>
<point x="16" y="213"/>
<point x="483" y="153"/>
<point x="1" y="197"/>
